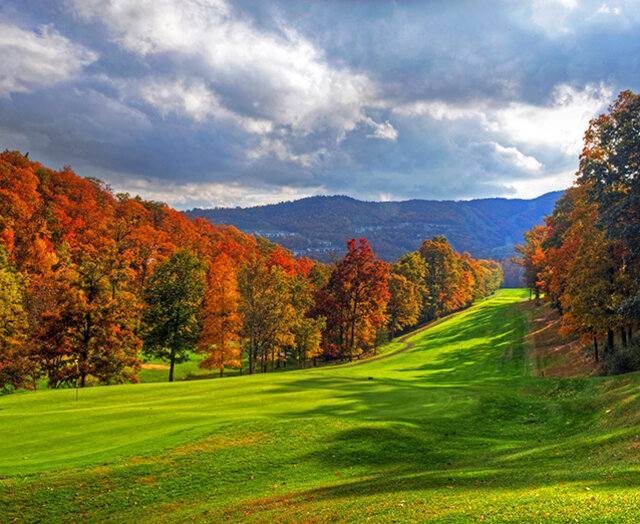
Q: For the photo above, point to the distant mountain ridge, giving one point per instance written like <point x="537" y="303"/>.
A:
<point x="319" y="227"/>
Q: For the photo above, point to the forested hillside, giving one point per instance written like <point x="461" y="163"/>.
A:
<point x="92" y="283"/>
<point x="316" y="226"/>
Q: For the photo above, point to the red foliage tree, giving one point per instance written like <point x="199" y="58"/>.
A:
<point x="357" y="294"/>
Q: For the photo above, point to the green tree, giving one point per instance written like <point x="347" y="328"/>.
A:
<point x="173" y="298"/>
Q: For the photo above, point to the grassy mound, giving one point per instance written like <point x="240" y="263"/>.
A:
<point x="454" y="429"/>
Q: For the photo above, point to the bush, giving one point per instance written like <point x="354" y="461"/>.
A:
<point x="625" y="360"/>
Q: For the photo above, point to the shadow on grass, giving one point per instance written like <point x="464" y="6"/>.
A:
<point x="376" y="463"/>
<point x="460" y="456"/>
<point x="465" y="418"/>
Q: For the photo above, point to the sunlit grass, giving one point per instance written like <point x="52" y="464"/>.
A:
<point x="452" y="430"/>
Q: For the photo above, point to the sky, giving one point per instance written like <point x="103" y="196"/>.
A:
<point x="205" y="103"/>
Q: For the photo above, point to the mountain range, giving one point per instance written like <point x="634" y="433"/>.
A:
<point x="319" y="227"/>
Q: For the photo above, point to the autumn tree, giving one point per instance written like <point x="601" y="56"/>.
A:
<point x="559" y="248"/>
<point x="594" y="285"/>
<point x="307" y="329"/>
<point x="493" y="276"/>
<point x="87" y="257"/>
<point x="173" y="298"/>
<point x="359" y="294"/>
<point x="267" y="312"/>
<point x="414" y="268"/>
<point x="586" y="258"/>
<point x="308" y="339"/>
<point x="610" y="165"/>
<point x="16" y="368"/>
<point x="444" y="279"/>
<point x="532" y="259"/>
<point x="403" y="308"/>
<point x="91" y="328"/>
<point x="220" y="339"/>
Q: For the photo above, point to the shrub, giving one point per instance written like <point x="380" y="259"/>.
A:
<point x="625" y="360"/>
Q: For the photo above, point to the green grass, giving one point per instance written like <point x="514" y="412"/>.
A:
<point x="452" y="430"/>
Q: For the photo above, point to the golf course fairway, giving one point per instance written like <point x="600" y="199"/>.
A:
<point x="455" y="429"/>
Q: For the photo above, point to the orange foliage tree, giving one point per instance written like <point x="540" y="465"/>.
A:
<point x="220" y="340"/>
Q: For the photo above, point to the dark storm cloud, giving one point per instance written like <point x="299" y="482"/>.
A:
<point x="271" y="100"/>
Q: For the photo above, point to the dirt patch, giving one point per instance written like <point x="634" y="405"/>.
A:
<point x="553" y="355"/>
<point x="154" y="366"/>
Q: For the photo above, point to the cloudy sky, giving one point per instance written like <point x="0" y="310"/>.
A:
<point x="225" y="103"/>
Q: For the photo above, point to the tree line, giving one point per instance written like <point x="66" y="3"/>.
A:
<point x="93" y="282"/>
<point x="585" y="259"/>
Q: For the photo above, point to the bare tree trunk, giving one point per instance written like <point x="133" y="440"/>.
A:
<point x="172" y="356"/>
<point x="610" y="343"/>
<point x="595" y="345"/>
<point x="171" y="366"/>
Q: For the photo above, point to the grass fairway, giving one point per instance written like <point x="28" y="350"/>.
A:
<point x="453" y="430"/>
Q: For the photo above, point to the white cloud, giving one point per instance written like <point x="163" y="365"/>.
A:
<point x="185" y="196"/>
<point x="281" y="78"/>
<point x="515" y="157"/>
<point x="532" y="189"/>
<point x="553" y="15"/>
<point x="607" y="10"/>
<point x="439" y="110"/>
<point x="384" y="131"/>
<point x="276" y="148"/>
<point x="558" y="126"/>
<point x="197" y="101"/>
<point x="29" y="59"/>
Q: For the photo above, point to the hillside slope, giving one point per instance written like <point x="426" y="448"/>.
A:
<point x="318" y="227"/>
<point x="453" y="430"/>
